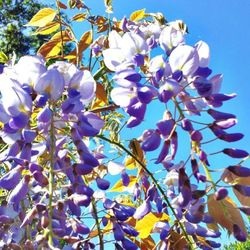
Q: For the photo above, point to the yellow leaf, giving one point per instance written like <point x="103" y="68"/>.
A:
<point x="3" y="57"/>
<point x="62" y="35"/>
<point x="137" y="15"/>
<point x="101" y="97"/>
<point x="119" y="187"/>
<point x="79" y="17"/>
<point x="85" y="41"/>
<point x="51" y="48"/>
<point x="47" y="29"/>
<point x="225" y="213"/>
<point x="42" y="17"/>
<point x="130" y="163"/>
<point x="145" y="225"/>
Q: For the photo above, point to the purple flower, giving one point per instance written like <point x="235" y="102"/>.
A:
<point x="11" y="179"/>
<point x="142" y="210"/>
<point x="127" y="78"/>
<point x="129" y="245"/>
<point x="84" y="83"/>
<point x="239" y="234"/>
<point x="50" y="83"/>
<point x="150" y="140"/>
<point x="244" y="190"/>
<point x="184" y="58"/>
<point x="235" y="153"/>
<point x="239" y="170"/>
<point x="170" y="37"/>
<point x="217" y="115"/>
<point x="102" y="184"/>
<point x="221" y="194"/>
<point x="20" y="191"/>
<point x="29" y="69"/>
<point x="20" y="101"/>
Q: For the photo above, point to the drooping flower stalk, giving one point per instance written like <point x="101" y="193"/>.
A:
<point x="191" y="244"/>
<point x="51" y="173"/>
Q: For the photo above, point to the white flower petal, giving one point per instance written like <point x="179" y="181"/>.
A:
<point x="115" y="168"/>
<point x="122" y="96"/>
<point x="113" y="58"/>
<point x="204" y="53"/>
<point x="184" y="58"/>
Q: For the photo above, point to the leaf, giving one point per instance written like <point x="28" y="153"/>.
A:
<point x="130" y="163"/>
<point x="146" y="244"/>
<point x="65" y="35"/>
<point x="3" y="57"/>
<point x="47" y="29"/>
<point x="225" y="213"/>
<point x="177" y="241"/>
<point x="101" y="97"/>
<point x="62" y="5"/>
<point x="49" y="49"/>
<point x="54" y="45"/>
<point x="85" y="41"/>
<point x="231" y="178"/>
<point x="119" y="187"/>
<point x="42" y="17"/>
<point x="108" y="5"/>
<point x="137" y="15"/>
<point x="134" y="145"/>
<point x="79" y="17"/>
<point x="145" y="225"/>
<point x="244" y="200"/>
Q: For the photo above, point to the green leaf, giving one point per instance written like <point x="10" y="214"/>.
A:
<point x="42" y="17"/>
<point x="137" y="15"/>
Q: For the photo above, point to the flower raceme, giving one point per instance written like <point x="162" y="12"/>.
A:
<point x="61" y="148"/>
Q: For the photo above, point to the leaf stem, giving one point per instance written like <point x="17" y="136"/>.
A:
<point x="98" y="225"/>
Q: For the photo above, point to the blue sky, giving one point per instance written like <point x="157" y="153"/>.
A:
<point x="224" y="25"/>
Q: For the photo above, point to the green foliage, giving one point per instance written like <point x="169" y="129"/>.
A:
<point x="238" y="246"/>
<point x="13" y="35"/>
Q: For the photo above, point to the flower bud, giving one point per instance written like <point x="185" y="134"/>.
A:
<point x="221" y="194"/>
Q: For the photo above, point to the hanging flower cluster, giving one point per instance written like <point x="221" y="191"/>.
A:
<point x="62" y="157"/>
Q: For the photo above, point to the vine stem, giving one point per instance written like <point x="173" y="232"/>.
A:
<point x="98" y="225"/>
<point x="154" y="181"/>
<point x="51" y="177"/>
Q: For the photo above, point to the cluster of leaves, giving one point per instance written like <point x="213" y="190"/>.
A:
<point x="62" y="145"/>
